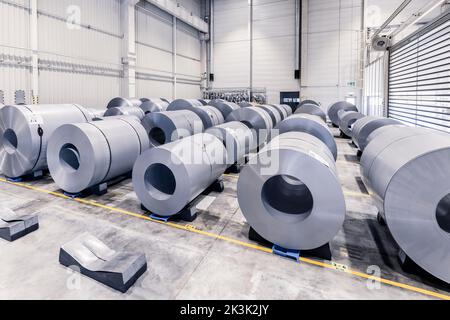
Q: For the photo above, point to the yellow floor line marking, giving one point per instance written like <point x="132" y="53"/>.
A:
<point x="192" y="229"/>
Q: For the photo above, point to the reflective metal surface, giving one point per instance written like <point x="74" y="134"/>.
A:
<point x="125" y="111"/>
<point x="312" y="109"/>
<point x="334" y="109"/>
<point x="346" y="121"/>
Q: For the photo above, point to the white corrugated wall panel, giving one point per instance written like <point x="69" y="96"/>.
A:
<point x="188" y="91"/>
<point x="97" y="44"/>
<point x="154" y="88"/>
<point x="274" y="53"/>
<point x="333" y="50"/>
<point x="231" y="43"/>
<point x="14" y="49"/>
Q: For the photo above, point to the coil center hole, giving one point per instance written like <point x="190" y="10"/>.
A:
<point x="287" y="195"/>
<point x="70" y="157"/>
<point x="157" y="136"/>
<point x="160" y="181"/>
<point x="443" y="213"/>
<point x="10" y="141"/>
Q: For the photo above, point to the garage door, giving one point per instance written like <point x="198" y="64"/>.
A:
<point x="419" y="77"/>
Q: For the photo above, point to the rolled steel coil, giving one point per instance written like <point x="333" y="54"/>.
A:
<point x="124" y="102"/>
<point x="310" y="124"/>
<point x="224" y="107"/>
<point x="334" y="109"/>
<point x="154" y="105"/>
<point x="288" y="109"/>
<point x="24" y="134"/>
<point x="347" y="120"/>
<point x="273" y="113"/>
<point x="309" y="101"/>
<point x="87" y="154"/>
<point x="96" y="113"/>
<point x="237" y="139"/>
<point x="183" y="104"/>
<point x="281" y="111"/>
<point x="365" y="126"/>
<point x="257" y="120"/>
<point x="407" y="169"/>
<point x="125" y="111"/>
<point x="210" y="116"/>
<point x="313" y="110"/>
<point x="286" y="204"/>
<point x="170" y="126"/>
<point x="204" y="102"/>
<point x="167" y="178"/>
<point x="247" y="104"/>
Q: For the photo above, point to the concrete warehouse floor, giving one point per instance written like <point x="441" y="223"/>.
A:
<point x="188" y="265"/>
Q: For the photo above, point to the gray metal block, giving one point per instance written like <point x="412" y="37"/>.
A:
<point x="92" y="258"/>
<point x="14" y="226"/>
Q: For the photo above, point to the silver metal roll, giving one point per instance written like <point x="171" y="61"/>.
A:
<point x="346" y="121"/>
<point x="224" y="107"/>
<point x="96" y="113"/>
<point x="313" y="110"/>
<point x="288" y="109"/>
<point x="365" y="126"/>
<point x="309" y="101"/>
<point x="210" y="116"/>
<point x="407" y="170"/>
<point x="183" y="104"/>
<point x="257" y="120"/>
<point x="204" y="102"/>
<point x="125" y="111"/>
<point x="170" y="126"/>
<point x="124" y="102"/>
<point x="247" y="104"/>
<point x="334" y="109"/>
<point x="24" y="134"/>
<point x="87" y="154"/>
<point x="154" y="105"/>
<point x="237" y="139"/>
<point x="281" y="110"/>
<point x="286" y="204"/>
<point x="310" y="124"/>
<point x="273" y="113"/>
<point x="167" y="178"/>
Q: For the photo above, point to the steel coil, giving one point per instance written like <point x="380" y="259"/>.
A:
<point x="170" y="126"/>
<point x="24" y="134"/>
<point x="237" y="139"/>
<point x="224" y="107"/>
<point x="313" y="110"/>
<point x="286" y="204"/>
<point x="257" y="120"/>
<point x="125" y="111"/>
<point x="309" y="124"/>
<point x="84" y="155"/>
<point x="273" y="113"/>
<point x="365" y="126"/>
<point x="309" y="102"/>
<point x="346" y="121"/>
<point x="210" y="116"/>
<point x="167" y="178"/>
<point x="124" y="102"/>
<point x="407" y="170"/>
<point x="334" y="109"/>
<point x="281" y="111"/>
<point x="154" y="105"/>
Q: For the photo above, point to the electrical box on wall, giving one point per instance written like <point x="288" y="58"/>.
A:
<point x="211" y="77"/>
<point x="297" y="74"/>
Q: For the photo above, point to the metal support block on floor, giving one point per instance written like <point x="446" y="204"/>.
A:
<point x="99" y="189"/>
<point x="92" y="258"/>
<point x="323" y="253"/>
<point x="15" y="226"/>
<point x="32" y="176"/>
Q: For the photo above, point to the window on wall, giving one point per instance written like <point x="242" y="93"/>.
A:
<point x="373" y="102"/>
<point x="419" y="77"/>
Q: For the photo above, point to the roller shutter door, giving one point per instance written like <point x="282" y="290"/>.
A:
<point x="419" y="77"/>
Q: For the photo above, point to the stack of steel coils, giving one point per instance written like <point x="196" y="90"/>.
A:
<point x="24" y="134"/>
<point x="125" y="111"/>
<point x="346" y="121"/>
<point x="407" y="170"/>
<point x="312" y="109"/>
<point x="364" y="127"/>
<point x="209" y="115"/>
<point x="154" y="105"/>
<point x="124" y="102"/>
<point x="224" y="107"/>
<point x="336" y="107"/>
<point x="257" y="120"/>
<point x="166" y="127"/>
<point x="83" y="155"/>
